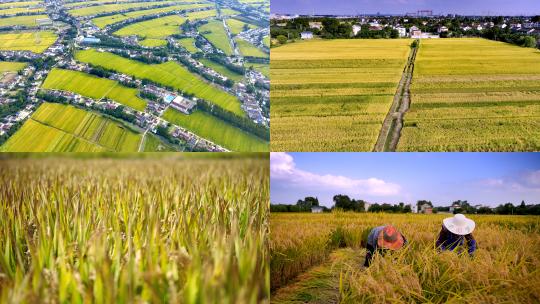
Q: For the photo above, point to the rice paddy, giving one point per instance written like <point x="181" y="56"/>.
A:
<point x="169" y="73"/>
<point x="155" y="31"/>
<point x="473" y="95"/>
<point x="237" y="26"/>
<point x="216" y="34"/>
<point x="108" y="20"/>
<point x="221" y="69"/>
<point x="217" y="131"/>
<point x="20" y="10"/>
<point x="188" y="44"/>
<point x="64" y="128"/>
<point x="181" y="228"/>
<point x="261" y="67"/>
<point x="109" y="8"/>
<point x="10" y="66"/>
<point x="27" y="21"/>
<point x="36" y="42"/>
<point x="19" y="4"/>
<point x="333" y="95"/>
<point x="319" y="259"/>
<point x="93" y="87"/>
<point x="248" y="49"/>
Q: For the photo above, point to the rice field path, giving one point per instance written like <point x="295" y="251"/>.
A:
<point x="320" y="284"/>
<point x="393" y="123"/>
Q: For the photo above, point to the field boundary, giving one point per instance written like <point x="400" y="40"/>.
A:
<point x="393" y="122"/>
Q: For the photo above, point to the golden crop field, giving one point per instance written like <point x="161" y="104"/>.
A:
<point x="64" y="128"/>
<point x="108" y="8"/>
<point x="473" y="95"/>
<point x="181" y="228"/>
<point x="333" y="95"/>
<point x="317" y="258"/>
<point x="36" y="42"/>
<point x="28" y="21"/>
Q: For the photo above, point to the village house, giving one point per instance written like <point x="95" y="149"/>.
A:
<point x="317" y="25"/>
<point x="356" y="29"/>
<point x="183" y="105"/>
<point x="426" y="209"/>
<point x="442" y="29"/>
<point x="316" y="209"/>
<point x="306" y="35"/>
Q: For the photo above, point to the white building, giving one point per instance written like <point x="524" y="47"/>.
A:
<point x="317" y="25"/>
<point x="183" y="105"/>
<point x="402" y="31"/>
<point x="316" y="209"/>
<point x="414" y="208"/>
<point x="356" y="28"/>
<point x="442" y="29"/>
<point x="306" y="35"/>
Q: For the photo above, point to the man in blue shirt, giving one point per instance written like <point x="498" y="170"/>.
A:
<point x="455" y="232"/>
<point x="383" y="238"/>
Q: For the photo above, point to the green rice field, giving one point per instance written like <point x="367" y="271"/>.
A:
<point x="473" y="95"/>
<point x="215" y="33"/>
<point x="248" y="49"/>
<point x="188" y="44"/>
<point x="153" y="144"/>
<point x="107" y="20"/>
<point x="108" y="8"/>
<point x="169" y="73"/>
<point x="155" y="31"/>
<point x="36" y="42"/>
<point x="64" y="128"/>
<point x="261" y="67"/>
<point x="217" y="131"/>
<point x="28" y="21"/>
<point x="18" y="10"/>
<point x="19" y="4"/>
<point x="333" y="95"/>
<point x="93" y="87"/>
<point x="237" y="26"/>
<point x="221" y="69"/>
<point x="10" y="66"/>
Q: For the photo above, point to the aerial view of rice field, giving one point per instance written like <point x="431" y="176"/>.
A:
<point x="127" y="228"/>
<point x="333" y="95"/>
<point x="36" y="42"/>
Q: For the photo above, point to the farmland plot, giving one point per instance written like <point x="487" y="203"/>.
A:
<point x="183" y="228"/>
<point x="10" y="66"/>
<point x="319" y="259"/>
<point x="473" y="95"/>
<point x="333" y="95"/>
<point x="215" y="33"/>
<point x="169" y="74"/>
<point x="36" y="42"/>
<point x="27" y="21"/>
<point x="21" y="10"/>
<point x="248" y="49"/>
<point x="217" y="131"/>
<point x="93" y="87"/>
<point x="62" y="128"/>
<point x="108" y="8"/>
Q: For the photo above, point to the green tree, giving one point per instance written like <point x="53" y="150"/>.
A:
<point x="281" y="39"/>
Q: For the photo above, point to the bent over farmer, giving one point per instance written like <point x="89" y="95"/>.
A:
<point x="455" y="232"/>
<point x="383" y="238"/>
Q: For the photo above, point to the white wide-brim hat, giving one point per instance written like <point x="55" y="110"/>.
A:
<point x="459" y="224"/>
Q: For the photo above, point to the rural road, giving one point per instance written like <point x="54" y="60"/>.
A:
<point x="393" y="123"/>
<point x="320" y="284"/>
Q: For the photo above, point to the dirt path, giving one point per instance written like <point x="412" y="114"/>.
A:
<point x="393" y="123"/>
<point x="320" y="284"/>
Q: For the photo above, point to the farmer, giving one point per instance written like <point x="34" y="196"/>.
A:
<point x="383" y="238"/>
<point x="455" y="232"/>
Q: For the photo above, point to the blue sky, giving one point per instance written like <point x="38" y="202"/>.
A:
<point x="462" y="7"/>
<point x="481" y="178"/>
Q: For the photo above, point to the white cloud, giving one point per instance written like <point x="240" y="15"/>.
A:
<point x="283" y="168"/>
<point x="524" y="182"/>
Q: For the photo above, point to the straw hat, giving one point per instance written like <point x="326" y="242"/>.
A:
<point x="459" y="224"/>
<point x="390" y="238"/>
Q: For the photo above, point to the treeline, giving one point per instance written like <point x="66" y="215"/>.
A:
<point x="241" y="122"/>
<point x="505" y="35"/>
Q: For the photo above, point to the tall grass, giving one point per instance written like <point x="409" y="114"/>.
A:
<point x="133" y="230"/>
<point x="505" y="268"/>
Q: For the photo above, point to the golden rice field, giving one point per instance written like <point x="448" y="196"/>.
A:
<point x="64" y="128"/>
<point x="473" y="95"/>
<point x="333" y="95"/>
<point x="178" y="229"/>
<point x="108" y="8"/>
<point x="19" y="4"/>
<point x="93" y="87"/>
<point x="11" y="66"/>
<point x="36" y="42"/>
<point x="21" y="10"/>
<point x="317" y="258"/>
<point x="108" y="20"/>
<point x="237" y="26"/>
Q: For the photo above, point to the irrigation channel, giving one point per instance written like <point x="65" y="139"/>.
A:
<point x="393" y="123"/>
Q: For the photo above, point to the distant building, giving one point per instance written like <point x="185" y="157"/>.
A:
<point x="442" y="29"/>
<point x="317" y="25"/>
<point x="316" y="209"/>
<point x="44" y="22"/>
<point x="306" y="35"/>
<point x="183" y="105"/>
<point x="90" y="40"/>
<point x="426" y="208"/>
<point x="402" y="31"/>
<point x="356" y="29"/>
<point x="414" y="208"/>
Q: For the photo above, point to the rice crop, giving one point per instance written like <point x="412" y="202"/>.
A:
<point x="109" y="8"/>
<point x="177" y="229"/>
<point x="153" y="32"/>
<point x="64" y="128"/>
<point x="318" y="258"/>
<point x="473" y="95"/>
<point x="28" y="21"/>
<point x="11" y="66"/>
<point x="237" y="26"/>
<point x="169" y="74"/>
<point x="215" y="33"/>
<point x="248" y="49"/>
<point x="36" y="42"/>
<point x="333" y="95"/>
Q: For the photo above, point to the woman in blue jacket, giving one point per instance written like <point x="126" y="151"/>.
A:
<point x="456" y="232"/>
